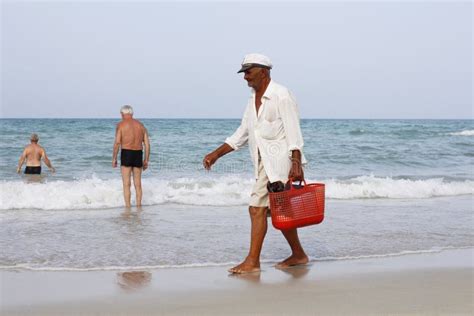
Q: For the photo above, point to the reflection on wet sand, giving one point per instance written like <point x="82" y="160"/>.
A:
<point x="133" y="280"/>
<point x="296" y="271"/>
<point x="253" y="277"/>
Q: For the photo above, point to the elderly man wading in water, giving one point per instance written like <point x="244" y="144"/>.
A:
<point x="33" y="154"/>
<point x="270" y="125"/>
<point x="130" y="136"/>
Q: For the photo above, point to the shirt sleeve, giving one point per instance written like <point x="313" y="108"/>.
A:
<point x="241" y="135"/>
<point x="291" y="123"/>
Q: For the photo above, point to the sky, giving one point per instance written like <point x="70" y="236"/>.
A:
<point x="354" y="59"/>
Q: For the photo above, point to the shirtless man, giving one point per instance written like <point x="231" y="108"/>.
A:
<point x="130" y="136"/>
<point x="33" y="154"/>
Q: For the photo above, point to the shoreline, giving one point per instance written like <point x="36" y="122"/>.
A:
<point x="208" y="265"/>
<point x="428" y="283"/>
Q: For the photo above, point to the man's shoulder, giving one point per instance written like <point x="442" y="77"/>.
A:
<point x="31" y="146"/>
<point x="137" y="122"/>
<point x="280" y="90"/>
<point x="282" y="93"/>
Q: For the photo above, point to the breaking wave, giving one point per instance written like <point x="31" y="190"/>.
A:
<point x="95" y="193"/>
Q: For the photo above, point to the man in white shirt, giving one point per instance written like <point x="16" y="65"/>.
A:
<point x="271" y="128"/>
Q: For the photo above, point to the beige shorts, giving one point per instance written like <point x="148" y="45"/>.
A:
<point x="259" y="196"/>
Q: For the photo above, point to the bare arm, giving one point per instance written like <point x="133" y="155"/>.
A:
<point x="47" y="161"/>
<point x="146" y="141"/>
<point x="212" y="157"/>
<point x="296" y="171"/>
<point x="21" y="161"/>
<point x="117" y="142"/>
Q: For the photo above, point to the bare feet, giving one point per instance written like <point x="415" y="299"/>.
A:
<point x="248" y="266"/>
<point x="291" y="261"/>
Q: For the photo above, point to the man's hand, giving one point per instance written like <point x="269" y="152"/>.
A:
<point x="18" y="170"/>
<point x="52" y="169"/>
<point x="145" y="164"/>
<point x="209" y="160"/>
<point x="212" y="157"/>
<point x="114" y="163"/>
<point x="296" y="171"/>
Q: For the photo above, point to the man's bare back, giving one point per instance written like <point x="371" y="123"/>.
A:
<point x="131" y="133"/>
<point x="33" y="154"/>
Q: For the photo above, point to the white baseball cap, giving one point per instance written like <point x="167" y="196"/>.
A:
<point x="255" y="60"/>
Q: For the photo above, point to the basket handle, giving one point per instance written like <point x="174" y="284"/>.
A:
<point x="290" y="181"/>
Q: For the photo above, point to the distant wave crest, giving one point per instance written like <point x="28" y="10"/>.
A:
<point x="96" y="193"/>
<point x="463" y="133"/>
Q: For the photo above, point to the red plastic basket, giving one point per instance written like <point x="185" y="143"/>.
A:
<point x="297" y="207"/>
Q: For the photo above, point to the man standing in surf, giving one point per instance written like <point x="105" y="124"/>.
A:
<point x="270" y="125"/>
<point x="130" y="137"/>
<point x="33" y="154"/>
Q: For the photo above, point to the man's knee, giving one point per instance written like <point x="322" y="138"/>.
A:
<point x="256" y="211"/>
<point x="137" y="183"/>
<point x="126" y="182"/>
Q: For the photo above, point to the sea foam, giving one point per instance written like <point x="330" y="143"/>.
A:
<point x="97" y="193"/>
<point x="463" y="133"/>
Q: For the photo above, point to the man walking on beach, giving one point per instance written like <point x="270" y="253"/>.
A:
<point x="130" y="136"/>
<point x="270" y="125"/>
<point x="33" y="154"/>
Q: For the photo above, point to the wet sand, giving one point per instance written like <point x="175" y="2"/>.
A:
<point x="418" y="284"/>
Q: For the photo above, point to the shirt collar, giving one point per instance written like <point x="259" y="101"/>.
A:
<point x="269" y="91"/>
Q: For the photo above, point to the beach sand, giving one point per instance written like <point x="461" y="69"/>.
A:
<point x="417" y="284"/>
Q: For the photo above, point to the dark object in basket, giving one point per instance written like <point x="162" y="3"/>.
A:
<point x="277" y="186"/>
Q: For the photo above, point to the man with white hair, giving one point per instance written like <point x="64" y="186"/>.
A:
<point x="32" y="154"/>
<point x="271" y="128"/>
<point x="130" y="136"/>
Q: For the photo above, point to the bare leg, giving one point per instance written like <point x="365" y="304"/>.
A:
<point x="258" y="217"/>
<point x="298" y="255"/>
<point x="137" y="183"/>
<point x="126" y="172"/>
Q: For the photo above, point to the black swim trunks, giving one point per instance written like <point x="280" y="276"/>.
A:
<point x="33" y="170"/>
<point x="131" y="158"/>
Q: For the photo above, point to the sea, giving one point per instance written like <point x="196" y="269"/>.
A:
<point x="393" y="187"/>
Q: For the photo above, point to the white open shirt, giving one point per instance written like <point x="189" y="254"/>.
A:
<point x="274" y="132"/>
